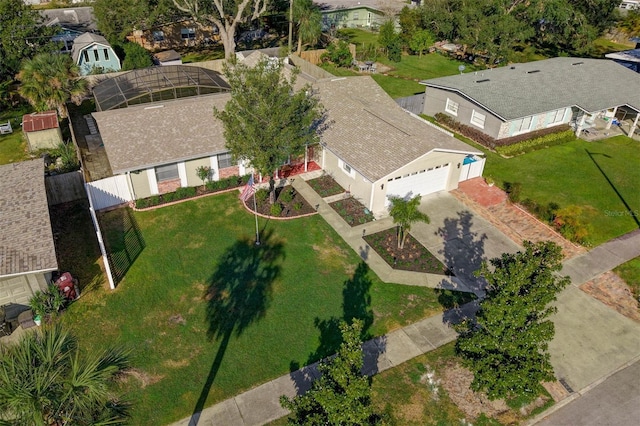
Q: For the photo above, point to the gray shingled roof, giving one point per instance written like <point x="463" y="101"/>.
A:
<point x="368" y="130"/>
<point x="148" y="135"/>
<point x="26" y="240"/>
<point x="520" y="90"/>
<point x="365" y="127"/>
<point x="84" y="40"/>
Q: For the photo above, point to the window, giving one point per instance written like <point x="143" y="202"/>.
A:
<point x="106" y="54"/>
<point x="188" y="33"/>
<point x="167" y="172"/>
<point x="85" y="55"/>
<point x="557" y="116"/>
<point x="95" y="54"/>
<point x="522" y="125"/>
<point x="224" y="161"/>
<point x="477" y="119"/>
<point x="346" y="167"/>
<point x="158" y="36"/>
<point x="451" y="107"/>
<point x="355" y="15"/>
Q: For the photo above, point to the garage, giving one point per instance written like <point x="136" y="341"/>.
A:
<point x="15" y="290"/>
<point x="422" y="182"/>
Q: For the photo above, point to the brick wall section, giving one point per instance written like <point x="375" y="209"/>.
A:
<point x="228" y="171"/>
<point x="168" y="186"/>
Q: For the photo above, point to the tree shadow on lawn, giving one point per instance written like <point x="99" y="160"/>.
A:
<point x="123" y="240"/>
<point x="238" y="295"/>
<point x="356" y="304"/>
<point x="463" y="253"/>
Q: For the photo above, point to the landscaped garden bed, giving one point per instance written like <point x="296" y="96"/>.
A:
<point x="352" y="211"/>
<point x="413" y="257"/>
<point x="325" y="186"/>
<point x="210" y="187"/>
<point x="195" y="252"/>
<point x="289" y="203"/>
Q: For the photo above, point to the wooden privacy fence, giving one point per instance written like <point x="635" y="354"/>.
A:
<point x="64" y="188"/>
<point x="313" y="56"/>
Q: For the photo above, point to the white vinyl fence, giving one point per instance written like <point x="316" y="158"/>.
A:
<point x="472" y="170"/>
<point x="109" y="192"/>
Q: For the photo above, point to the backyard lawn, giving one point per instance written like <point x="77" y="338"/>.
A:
<point x="13" y="146"/>
<point x="600" y="177"/>
<point x="208" y="314"/>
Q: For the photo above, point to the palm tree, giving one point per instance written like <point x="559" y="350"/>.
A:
<point x="50" y="80"/>
<point x="405" y="213"/>
<point x="46" y="380"/>
<point x="309" y="20"/>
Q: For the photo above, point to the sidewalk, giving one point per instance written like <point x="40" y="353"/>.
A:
<point x="580" y="355"/>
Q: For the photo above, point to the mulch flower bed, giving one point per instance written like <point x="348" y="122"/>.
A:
<point x="325" y="186"/>
<point x="413" y="257"/>
<point x="352" y="211"/>
<point x="288" y="201"/>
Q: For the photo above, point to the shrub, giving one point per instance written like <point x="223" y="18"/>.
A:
<point x="513" y="190"/>
<point x="567" y="221"/>
<point x="286" y="196"/>
<point x="185" y="192"/>
<point x="169" y="197"/>
<point x="297" y="206"/>
<point x="544" y="212"/>
<point x="48" y="302"/>
<point x="339" y="54"/>
<point x="142" y="203"/>
<point x="211" y="185"/>
<point x="276" y="209"/>
<point x="464" y="130"/>
<point x="536" y="143"/>
<point x="261" y="195"/>
<point x="153" y="200"/>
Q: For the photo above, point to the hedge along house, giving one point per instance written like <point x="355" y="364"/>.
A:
<point x="157" y="127"/>
<point x="522" y="98"/>
<point x="375" y="149"/>
<point x="42" y="130"/>
<point x="93" y="52"/>
<point x="27" y="250"/>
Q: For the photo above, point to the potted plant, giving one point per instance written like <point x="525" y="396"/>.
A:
<point x="489" y="180"/>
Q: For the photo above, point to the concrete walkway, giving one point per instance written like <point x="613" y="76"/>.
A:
<point x="592" y="341"/>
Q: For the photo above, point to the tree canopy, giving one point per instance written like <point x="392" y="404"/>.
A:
<point x="21" y="36"/>
<point x="46" y="380"/>
<point x="405" y="213"/>
<point x="118" y="18"/>
<point x="266" y="121"/>
<point x="49" y="80"/>
<point x="225" y="15"/>
<point x="342" y="394"/>
<point x="308" y="19"/>
<point x="506" y="346"/>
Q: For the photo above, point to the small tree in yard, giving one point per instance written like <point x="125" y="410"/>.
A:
<point x="266" y="121"/>
<point x="405" y="213"/>
<point x="342" y="395"/>
<point x="506" y="346"/>
<point x="421" y="41"/>
<point x="204" y="173"/>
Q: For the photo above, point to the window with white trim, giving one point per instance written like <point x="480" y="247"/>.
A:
<point x="106" y="54"/>
<point x="158" y="36"/>
<point x="478" y="119"/>
<point x="451" y="107"/>
<point x="188" y="33"/>
<point x="522" y="125"/>
<point x="355" y="15"/>
<point x="557" y="116"/>
<point x="346" y="168"/>
<point x="168" y="172"/>
<point x="224" y="161"/>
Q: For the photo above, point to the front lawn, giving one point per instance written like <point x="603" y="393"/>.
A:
<point x="630" y="273"/>
<point x="208" y="315"/>
<point x="599" y="177"/>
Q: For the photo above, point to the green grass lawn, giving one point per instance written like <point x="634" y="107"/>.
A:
<point x="630" y="273"/>
<point x="596" y="176"/>
<point x="208" y="315"/>
<point x="13" y="147"/>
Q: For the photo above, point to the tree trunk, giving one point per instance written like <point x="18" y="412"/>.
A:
<point x="299" y="44"/>
<point x="399" y="237"/>
<point x="404" y="238"/>
<point x="227" y="36"/>
<point x="272" y="190"/>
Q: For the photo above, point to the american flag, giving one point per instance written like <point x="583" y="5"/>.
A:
<point x="248" y="190"/>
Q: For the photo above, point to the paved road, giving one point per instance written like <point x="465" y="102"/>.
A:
<point x="616" y="401"/>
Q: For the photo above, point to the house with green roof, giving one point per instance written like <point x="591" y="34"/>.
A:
<point x="522" y="98"/>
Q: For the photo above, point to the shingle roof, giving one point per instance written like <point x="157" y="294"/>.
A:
<point x="368" y="130"/>
<point x="520" y="90"/>
<point x="148" y="135"/>
<point x="77" y="18"/>
<point x="84" y="40"/>
<point x="26" y="240"/>
<point x="632" y="55"/>
<point x="40" y="121"/>
<point x="329" y="5"/>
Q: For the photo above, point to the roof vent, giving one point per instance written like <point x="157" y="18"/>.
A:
<point x="533" y="71"/>
<point x="577" y="63"/>
<point x="483" y="80"/>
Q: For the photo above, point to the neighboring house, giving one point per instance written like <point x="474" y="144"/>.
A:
<point x="72" y="22"/>
<point x="523" y="98"/>
<point x="627" y="5"/>
<point x="627" y="58"/>
<point x="93" y="52"/>
<point x="168" y="57"/>
<point x="174" y="35"/>
<point x="366" y="14"/>
<point x="42" y="130"/>
<point x="371" y="146"/>
<point x="27" y="251"/>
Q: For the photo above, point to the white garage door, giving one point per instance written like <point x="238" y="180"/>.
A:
<point x="15" y="290"/>
<point x="422" y="183"/>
